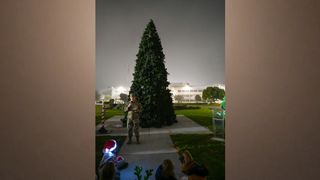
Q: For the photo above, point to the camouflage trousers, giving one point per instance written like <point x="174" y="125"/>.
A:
<point x="133" y="126"/>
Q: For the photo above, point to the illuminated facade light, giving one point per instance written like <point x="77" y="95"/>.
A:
<point x="187" y="87"/>
<point x="121" y="89"/>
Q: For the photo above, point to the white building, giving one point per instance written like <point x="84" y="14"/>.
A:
<point x="184" y="89"/>
<point x="114" y="93"/>
<point x="190" y="91"/>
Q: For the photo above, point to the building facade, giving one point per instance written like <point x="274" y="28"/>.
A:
<point x="186" y="90"/>
<point x="189" y="92"/>
<point x="114" y="93"/>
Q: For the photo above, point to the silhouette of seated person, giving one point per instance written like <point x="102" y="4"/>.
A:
<point x="191" y="168"/>
<point x="165" y="171"/>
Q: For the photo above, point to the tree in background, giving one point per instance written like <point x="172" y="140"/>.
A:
<point x="98" y="96"/>
<point x="207" y="94"/>
<point x="197" y="98"/>
<point x="221" y="94"/>
<point x="124" y="97"/>
<point x="178" y="98"/>
<point x="211" y="94"/>
<point x="111" y="103"/>
<point x="150" y="84"/>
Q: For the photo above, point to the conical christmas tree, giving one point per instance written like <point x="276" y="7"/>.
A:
<point x="150" y="84"/>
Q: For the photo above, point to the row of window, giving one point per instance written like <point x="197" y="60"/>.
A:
<point x="194" y="90"/>
<point x="187" y="96"/>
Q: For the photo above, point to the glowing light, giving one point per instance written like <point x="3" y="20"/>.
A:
<point x="110" y="154"/>
<point x="108" y="150"/>
<point x="114" y="147"/>
<point x="121" y="89"/>
<point x="186" y="87"/>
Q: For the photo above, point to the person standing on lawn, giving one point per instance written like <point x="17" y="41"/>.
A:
<point x="133" y="110"/>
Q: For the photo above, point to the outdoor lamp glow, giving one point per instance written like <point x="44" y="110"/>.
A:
<point x="186" y="87"/>
<point x="121" y="89"/>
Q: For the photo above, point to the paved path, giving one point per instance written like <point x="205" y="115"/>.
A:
<point x="184" y="126"/>
<point x="156" y="145"/>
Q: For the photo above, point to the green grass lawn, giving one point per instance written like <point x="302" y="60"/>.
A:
<point x="100" y="140"/>
<point x="205" y="151"/>
<point x="107" y="114"/>
<point x="202" y="116"/>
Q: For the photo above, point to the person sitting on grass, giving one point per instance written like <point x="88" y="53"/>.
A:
<point x="165" y="171"/>
<point x="191" y="168"/>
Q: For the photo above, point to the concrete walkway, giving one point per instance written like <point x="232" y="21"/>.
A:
<point x="156" y="145"/>
<point x="184" y="126"/>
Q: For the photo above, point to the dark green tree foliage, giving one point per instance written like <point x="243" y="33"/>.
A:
<point x="221" y="94"/>
<point x="150" y="84"/>
<point x="212" y="94"/>
<point x="197" y="98"/>
<point x="98" y="96"/>
<point x="124" y="97"/>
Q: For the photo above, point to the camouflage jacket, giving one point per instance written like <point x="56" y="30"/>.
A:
<point x="133" y="110"/>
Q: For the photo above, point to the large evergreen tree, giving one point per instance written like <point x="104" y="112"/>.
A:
<point x="150" y="84"/>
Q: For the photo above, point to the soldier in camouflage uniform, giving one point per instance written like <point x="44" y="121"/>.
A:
<point x="133" y="110"/>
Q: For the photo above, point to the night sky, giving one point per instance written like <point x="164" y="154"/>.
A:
<point x="191" y="33"/>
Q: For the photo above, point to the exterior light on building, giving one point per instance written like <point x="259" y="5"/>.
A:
<point x="186" y="87"/>
<point x="121" y="89"/>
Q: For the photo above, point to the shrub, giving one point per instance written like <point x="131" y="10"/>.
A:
<point x="185" y="107"/>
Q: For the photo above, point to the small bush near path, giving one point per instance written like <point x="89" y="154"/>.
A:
<point x="182" y="107"/>
<point x="205" y="151"/>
